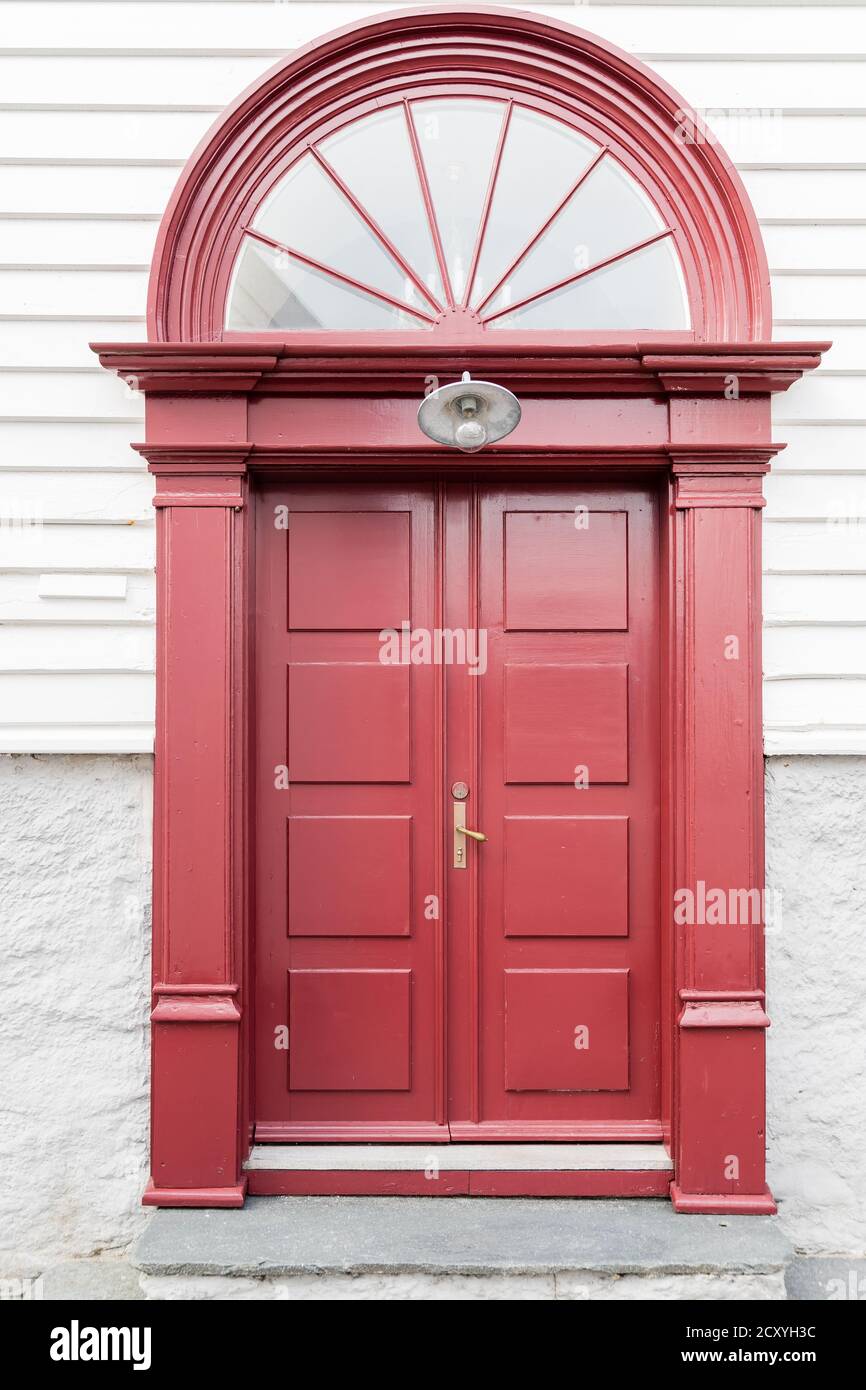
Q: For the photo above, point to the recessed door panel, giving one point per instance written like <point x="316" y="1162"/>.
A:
<point x="348" y="721"/>
<point x="349" y="1030"/>
<point x="348" y="570"/>
<point x="566" y="1030"/>
<point x="367" y="889"/>
<point x="565" y="875"/>
<point x="588" y="552"/>
<point x="566" y="722"/>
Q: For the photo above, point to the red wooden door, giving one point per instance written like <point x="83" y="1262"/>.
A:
<point x="398" y="995"/>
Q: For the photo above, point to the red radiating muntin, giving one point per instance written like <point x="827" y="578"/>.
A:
<point x="567" y="74"/>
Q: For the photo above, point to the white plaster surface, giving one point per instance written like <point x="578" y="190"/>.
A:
<point x="418" y="1158"/>
<point x="816" y="973"/>
<point x="574" y="1285"/>
<point x="74" y="931"/>
<point x="74" y="989"/>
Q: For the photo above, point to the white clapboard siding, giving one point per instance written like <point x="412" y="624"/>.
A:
<point x="814" y="298"/>
<point x="803" y="246"/>
<point x="88" y="190"/>
<point x="792" y="195"/>
<point x="75" y="395"/>
<point x="821" y="448"/>
<point x="815" y="598"/>
<point x="776" y="137"/>
<point x="827" y="397"/>
<point x="30" y="241"/>
<point x="41" y="712"/>
<point x="848" y="351"/>
<point x="126" y="496"/>
<point x="60" y="647"/>
<point x="797" y="494"/>
<point x="44" y="293"/>
<point x="79" y="543"/>
<point x="101" y="103"/>
<point x="73" y="598"/>
<point x="55" y="445"/>
<point x="815" y="545"/>
<point x="45" y="345"/>
<point x="766" y="85"/>
<point x="127" y="137"/>
<point x="813" y="651"/>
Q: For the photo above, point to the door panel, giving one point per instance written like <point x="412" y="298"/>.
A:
<point x="546" y="1050"/>
<point x="348" y="957"/>
<point x="542" y="953"/>
<point x="559" y="936"/>
<point x="557" y="715"/>
<point x="565" y="875"/>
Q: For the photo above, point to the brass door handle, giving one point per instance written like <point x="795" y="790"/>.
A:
<point x="461" y="834"/>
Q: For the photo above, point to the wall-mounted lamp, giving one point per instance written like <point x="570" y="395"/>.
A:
<point x="469" y="414"/>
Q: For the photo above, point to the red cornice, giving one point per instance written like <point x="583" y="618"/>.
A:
<point x="176" y="463"/>
<point x="380" y="370"/>
<point x="186" y="368"/>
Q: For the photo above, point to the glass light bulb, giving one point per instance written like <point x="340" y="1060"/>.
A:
<point x="470" y="435"/>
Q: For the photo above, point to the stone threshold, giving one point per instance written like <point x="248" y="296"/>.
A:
<point x="414" y="1158"/>
<point x="333" y="1248"/>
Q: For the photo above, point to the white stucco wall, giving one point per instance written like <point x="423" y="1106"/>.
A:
<point x="816" y="972"/>
<point x="74" y="906"/>
<point x="74" y="992"/>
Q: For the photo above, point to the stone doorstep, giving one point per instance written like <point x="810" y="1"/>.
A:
<point x="484" y="1158"/>
<point x="464" y="1248"/>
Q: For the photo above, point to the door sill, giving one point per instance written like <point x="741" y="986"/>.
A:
<point x="451" y="1170"/>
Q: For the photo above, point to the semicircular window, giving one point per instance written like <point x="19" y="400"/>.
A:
<point x="457" y="206"/>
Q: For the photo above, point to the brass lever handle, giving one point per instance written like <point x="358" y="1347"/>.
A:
<point x="461" y="834"/>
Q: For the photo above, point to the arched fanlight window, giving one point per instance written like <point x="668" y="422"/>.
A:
<point x="481" y="205"/>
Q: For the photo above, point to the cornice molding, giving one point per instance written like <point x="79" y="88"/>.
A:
<point x="337" y="368"/>
<point x="726" y="474"/>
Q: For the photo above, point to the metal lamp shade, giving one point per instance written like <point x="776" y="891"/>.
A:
<point x="443" y="412"/>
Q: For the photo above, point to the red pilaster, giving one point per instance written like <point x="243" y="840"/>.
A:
<point x="200" y="828"/>
<point x="718" y="913"/>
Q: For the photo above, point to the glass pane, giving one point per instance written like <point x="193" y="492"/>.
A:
<point x="270" y="290"/>
<point x="458" y="140"/>
<point x="374" y="158"/>
<point x="644" y="290"/>
<point x="308" y="213"/>
<point x="606" y="214"/>
<point x="541" y="160"/>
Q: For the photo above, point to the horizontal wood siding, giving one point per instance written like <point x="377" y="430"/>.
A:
<point x="100" y="105"/>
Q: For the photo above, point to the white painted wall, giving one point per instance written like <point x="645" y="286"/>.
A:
<point x="75" y="945"/>
<point x="100" y="105"/>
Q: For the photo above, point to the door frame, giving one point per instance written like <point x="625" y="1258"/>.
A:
<point x="224" y="409"/>
<point x="713" y="1016"/>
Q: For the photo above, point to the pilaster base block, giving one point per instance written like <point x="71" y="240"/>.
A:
<point x="723" y="1203"/>
<point x="232" y="1196"/>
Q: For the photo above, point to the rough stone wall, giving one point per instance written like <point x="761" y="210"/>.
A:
<point x="816" y="974"/>
<point x="74" y="974"/>
<point x="74" y="991"/>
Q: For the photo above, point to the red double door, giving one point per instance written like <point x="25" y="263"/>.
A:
<point x="414" y="983"/>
